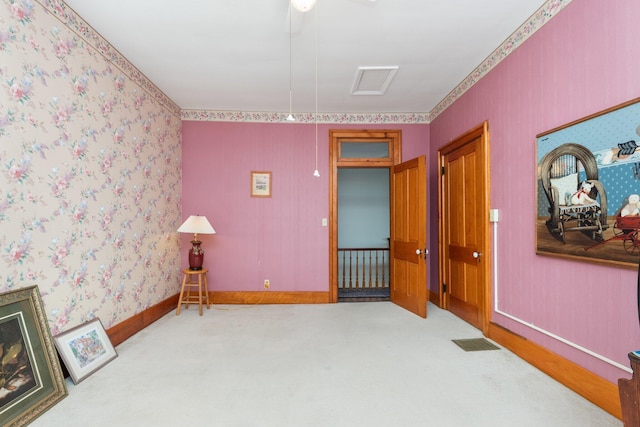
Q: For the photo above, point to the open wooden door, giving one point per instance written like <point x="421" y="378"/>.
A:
<point x="408" y="236"/>
<point x="464" y="227"/>
<point x="382" y="149"/>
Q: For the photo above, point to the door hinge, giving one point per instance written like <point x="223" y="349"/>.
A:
<point x="444" y="288"/>
<point x="442" y="170"/>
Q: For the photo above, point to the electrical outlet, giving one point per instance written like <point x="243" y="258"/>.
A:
<point x="266" y="284"/>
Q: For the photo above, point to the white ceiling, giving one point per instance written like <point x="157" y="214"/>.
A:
<point x="233" y="55"/>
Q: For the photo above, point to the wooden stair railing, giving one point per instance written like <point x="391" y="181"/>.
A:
<point x="363" y="268"/>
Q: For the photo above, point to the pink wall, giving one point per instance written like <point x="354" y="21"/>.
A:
<point x="279" y="238"/>
<point x="583" y="61"/>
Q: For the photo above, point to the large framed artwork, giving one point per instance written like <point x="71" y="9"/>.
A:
<point x="588" y="188"/>
<point x="31" y="379"/>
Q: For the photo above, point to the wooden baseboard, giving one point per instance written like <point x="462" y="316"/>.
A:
<point x="434" y="298"/>
<point x="231" y="297"/>
<point x="587" y="384"/>
<point x="124" y="330"/>
<point x="590" y="386"/>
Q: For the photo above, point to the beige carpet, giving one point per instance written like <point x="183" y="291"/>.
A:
<point x="348" y="364"/>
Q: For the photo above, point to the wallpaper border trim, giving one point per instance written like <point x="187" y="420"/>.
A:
<point x="266" y="117"/>
<point x="543" y="15"/>
<point x="547" y="11"/>
<point x="74" y="22"/>
<point x="67" y="16"/>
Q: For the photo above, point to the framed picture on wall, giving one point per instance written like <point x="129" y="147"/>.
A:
<point x="31" y="377"/>
<point x="260" y="184"/>
<point x="85" y="349"/>
<point x="588" y="188"/>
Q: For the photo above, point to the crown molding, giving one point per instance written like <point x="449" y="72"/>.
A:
<point x="547" y="11"/>
<point x="334" y="118"/>
<point x="75" y="23"/>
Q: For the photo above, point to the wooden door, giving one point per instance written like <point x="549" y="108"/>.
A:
<point x="392" y="140"/>
<point x="408" y="234"/>
<point x="464" y="227"/>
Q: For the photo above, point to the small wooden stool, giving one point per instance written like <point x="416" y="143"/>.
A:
<point x="190" y="282"/>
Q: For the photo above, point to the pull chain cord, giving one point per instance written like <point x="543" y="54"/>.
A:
<point x="290" y="116"/>
<point x="316" y="173"/>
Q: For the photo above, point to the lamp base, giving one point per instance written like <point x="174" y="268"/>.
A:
<point x="196" y="256"/>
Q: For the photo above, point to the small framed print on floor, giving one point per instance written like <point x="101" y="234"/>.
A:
<point x="85" y="349"/>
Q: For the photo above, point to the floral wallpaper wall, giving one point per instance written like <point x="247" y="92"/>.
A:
<point x="90" y="171"/>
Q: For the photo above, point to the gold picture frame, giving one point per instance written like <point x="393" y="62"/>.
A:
<point x="32" y="378"/>
<point x="260" y="184"/>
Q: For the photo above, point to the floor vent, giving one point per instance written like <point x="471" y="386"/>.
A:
<point x="475" y="344"/>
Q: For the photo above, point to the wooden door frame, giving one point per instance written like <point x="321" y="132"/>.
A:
<point x="335" y="162"/>
<point x="482" y="132"/>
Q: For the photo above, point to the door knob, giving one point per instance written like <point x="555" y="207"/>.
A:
<point x="423" y="252"/>
<point x="476" y="255"/>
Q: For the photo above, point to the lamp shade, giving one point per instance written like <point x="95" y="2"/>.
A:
<point x="303" y="5"/>
<point x="196" y="224"/>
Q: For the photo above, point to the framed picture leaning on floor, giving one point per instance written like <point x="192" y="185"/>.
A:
<point x="85" y="349"/>
<point x="31" y="378"/>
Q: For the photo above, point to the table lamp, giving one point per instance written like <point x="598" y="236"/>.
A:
<point x="196" y="224"/>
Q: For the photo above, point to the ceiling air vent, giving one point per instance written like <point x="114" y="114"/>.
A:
<point x="373" y="80"/>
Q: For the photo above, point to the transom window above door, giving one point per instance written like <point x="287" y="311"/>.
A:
<point x="364" y="150"/>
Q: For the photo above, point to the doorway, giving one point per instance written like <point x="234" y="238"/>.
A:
<point x="351" y="150"/>
<point x="407" y="210"/>
<point x="464" y="228"/>
<point x="363" y="234"/>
